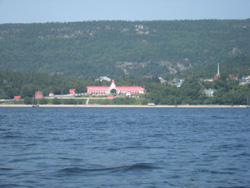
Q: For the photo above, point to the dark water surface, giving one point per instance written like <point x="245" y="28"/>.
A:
<point x="124" y="147"/>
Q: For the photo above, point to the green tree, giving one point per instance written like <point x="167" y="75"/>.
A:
<point x="70" y="101"/>
<point x="56" y="101"/>
<point x="28" y="90"/>
<point x="43" y="101"/>
<point x="27" y="100"/>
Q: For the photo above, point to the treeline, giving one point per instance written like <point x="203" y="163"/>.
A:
<point x="25" y="85"/>
<point x="30" y="100"/>
<point x="227" y="92"/>
<point x="116" y="48"/>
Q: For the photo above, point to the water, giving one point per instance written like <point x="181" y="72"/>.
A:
<point x="124" y="147"/>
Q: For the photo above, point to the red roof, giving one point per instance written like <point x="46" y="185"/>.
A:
<point x="97" y="87"/>
<point x="117" y="87"/>
<point x="71" y="91"/>
<point x="122" y="89"/>
<point x="216" y="77"/>
<point x="232" y="76"/>
<point x="17" y="97"/>
<point x="39" y="94"/>
<point x="129" y="88"/>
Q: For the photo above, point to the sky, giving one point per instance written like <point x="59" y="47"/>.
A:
<point x="42" y="11"/>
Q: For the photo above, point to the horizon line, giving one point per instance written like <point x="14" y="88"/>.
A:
<point x="202" y="19"/>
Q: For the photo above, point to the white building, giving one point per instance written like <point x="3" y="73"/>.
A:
<point x="209" y="92"/>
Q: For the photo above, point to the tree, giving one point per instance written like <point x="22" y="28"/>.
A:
<point x="28" y="90"/>
<point x="43" y="101"/>
<point x="27" y="100"/>
<point x="56" y="101"/>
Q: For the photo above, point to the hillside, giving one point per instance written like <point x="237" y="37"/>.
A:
<point x="115" y="48"/>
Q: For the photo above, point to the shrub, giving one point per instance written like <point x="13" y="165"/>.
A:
<point x="27" y="100"/>
<point x="43" y="101"/>
<point x="56" y="101"/>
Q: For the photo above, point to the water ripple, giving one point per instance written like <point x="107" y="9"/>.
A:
<point x="127" y="168"/>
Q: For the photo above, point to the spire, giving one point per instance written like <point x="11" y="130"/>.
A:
<point x="218" y="70"/>
<point x="112" y="86"/>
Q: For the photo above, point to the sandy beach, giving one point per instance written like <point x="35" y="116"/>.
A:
<point x="127" y="106"/>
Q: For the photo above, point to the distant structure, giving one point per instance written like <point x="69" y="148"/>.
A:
<point x="209" y="92"/>
<point x="177" y="82"/>
<point x="51" y="94"/>
<point x="38" y="94"/>
<point x="208" y="80"/>
<point x="103" y="78"/>
<point x="232" y="77"/>
<point x="72" y="91"/>
<point x="17" y="97"/>
<point x="245" y="80"/>
<point x="217" y="76"/>
<point x="113" y="89"/>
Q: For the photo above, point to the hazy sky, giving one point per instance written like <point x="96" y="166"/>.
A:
<point x="30" y="11"/>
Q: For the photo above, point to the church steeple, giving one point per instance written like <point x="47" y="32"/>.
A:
<point x="217" y="76"/>
<point x="112" y="86"/>
<point x="218" y="70"/>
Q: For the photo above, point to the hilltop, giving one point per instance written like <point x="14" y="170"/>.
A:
<point x="117" y="48"/>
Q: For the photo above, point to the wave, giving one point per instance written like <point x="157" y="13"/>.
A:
<point x="70" y="140"/>
<point x="221" y="172"/>
<point x="133" y="167"/>
<point x="135" y="147"/>
<point x="23" y="159"/>
<point x="242" y="154"/>
<point x="217" y="117"/>
<point x="9" y="185"/>
<point x="10" y="136"/>
<point x="6" y="169"/>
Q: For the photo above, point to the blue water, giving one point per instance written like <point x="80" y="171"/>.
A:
<point x="124" y="147"/>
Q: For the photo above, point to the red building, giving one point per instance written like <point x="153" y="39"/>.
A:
<point x="107" y="90"/>
<point x="232" y="76"/>
<point x="97" y="89"/>
<point x="38" y="95"/>
<point x="17" y="97"/>
<point x="72" y="91"/>
<point x="216" y="77"/>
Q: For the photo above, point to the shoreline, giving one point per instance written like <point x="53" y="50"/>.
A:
<point x="125" y="106"/>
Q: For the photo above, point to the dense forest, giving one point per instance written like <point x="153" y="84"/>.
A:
<point x="117" y="48"/>
<point x="26" y="84"/>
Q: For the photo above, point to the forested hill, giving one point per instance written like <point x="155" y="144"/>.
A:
<point x="115" y="48"/>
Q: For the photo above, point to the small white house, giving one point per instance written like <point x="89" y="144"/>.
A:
<point x="178" y="82"/>
<point x="51" y="94"/>
<point x="209" y="92"/>
<point x="245" y="80"/>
